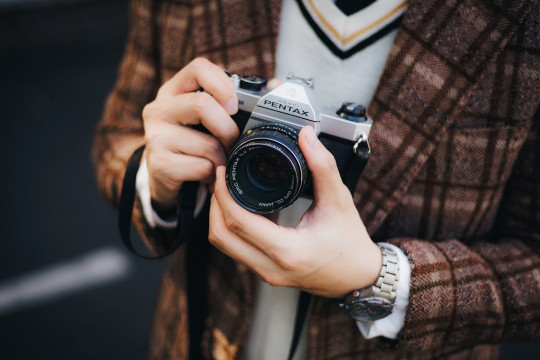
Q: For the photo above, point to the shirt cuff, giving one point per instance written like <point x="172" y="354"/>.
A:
<point x="143" y="190"/>
<point x="390" y="326"/>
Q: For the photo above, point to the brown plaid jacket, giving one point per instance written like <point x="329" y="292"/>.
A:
<point x="454" y="178"/>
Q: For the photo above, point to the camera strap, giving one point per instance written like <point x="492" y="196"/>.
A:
<point x="301" y="314"/>
<point x="184" y="210"/>
<point x="197" y="251"/>
<point x="361" y="151"/>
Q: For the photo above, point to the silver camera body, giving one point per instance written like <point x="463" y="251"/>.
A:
<point x="266" y="170"/>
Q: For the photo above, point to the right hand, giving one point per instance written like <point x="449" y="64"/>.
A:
<point x="175" y="152"/>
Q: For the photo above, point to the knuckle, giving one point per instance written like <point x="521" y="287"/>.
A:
<point x="289" y="260"/>
<point x="154" y="137"/>
<point x="205" y="169"/>
<point x="159" y="170"/>
<point x="200" y="101"/>
<point x="273" y="279"/>
<point x="214" y="238"/>
<point x="235" y="224"/>
<point x="233" y="131"/>
<point x="155" y="162"/>
<point x="212" y="146"/>
<point x="149" y="111"/>
<point x="200" y="63"/>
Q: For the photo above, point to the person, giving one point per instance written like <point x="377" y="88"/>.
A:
<point x="452" y="186"/>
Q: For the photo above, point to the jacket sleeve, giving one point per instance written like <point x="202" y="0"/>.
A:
<point x="120" y="130"/>
<point x="470" y="222"/>
<point x="488" y="291"/>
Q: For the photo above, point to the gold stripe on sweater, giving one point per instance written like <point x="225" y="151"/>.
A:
<point x="352" y="37"/>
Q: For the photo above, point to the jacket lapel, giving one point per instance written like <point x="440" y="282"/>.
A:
<point x="438" y="54"/>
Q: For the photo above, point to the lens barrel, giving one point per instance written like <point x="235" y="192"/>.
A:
<point x="266" y="171"/>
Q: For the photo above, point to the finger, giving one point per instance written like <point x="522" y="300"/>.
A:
<point x="201" y="73"/>
<point x="192" y="109"/>
<point x="237" y="248"/>
<point x="188" y="141"/>
<point x="256" y="229"/>
<point x="273" y="83"/>
<point x="168" y="171"/>
<point x="327" y="183"/>
<point x="173" y="168"/>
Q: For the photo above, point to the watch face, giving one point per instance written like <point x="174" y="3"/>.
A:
<point x="370" y="309"/>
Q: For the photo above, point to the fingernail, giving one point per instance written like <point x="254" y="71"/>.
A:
<point x="311" y="137"/>
<point x="232" y="106"/>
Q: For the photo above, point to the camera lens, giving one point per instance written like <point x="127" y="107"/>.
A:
<point x="266" y="170"/>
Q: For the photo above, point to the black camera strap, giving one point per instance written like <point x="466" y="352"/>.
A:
<point x="361" y="151"/>
<point x="184" y="211"/>
<point x="197" y="251"/>
<point x="301" y="314"/>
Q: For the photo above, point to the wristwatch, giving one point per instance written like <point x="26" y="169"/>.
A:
<point x="376" y="301"/>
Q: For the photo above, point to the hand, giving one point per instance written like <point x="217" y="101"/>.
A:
<point x="329" y="253"/>
<point x="175" y="152"/>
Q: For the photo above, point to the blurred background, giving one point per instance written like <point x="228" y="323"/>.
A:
<point x="68" y="288"/>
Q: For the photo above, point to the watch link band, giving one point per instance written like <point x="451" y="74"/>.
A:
<point x="376" y="301"/>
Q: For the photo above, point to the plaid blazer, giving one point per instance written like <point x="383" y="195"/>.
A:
<point x="454" y="178"/>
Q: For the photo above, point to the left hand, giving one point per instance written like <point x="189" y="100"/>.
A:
<point x="329" y="253"/>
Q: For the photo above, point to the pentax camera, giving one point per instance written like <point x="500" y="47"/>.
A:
<point x="266" y="170"/>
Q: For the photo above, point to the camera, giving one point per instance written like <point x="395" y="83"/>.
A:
<point x="266" y="170"/>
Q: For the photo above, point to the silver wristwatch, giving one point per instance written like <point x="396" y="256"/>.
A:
<point x="377" y="301"/>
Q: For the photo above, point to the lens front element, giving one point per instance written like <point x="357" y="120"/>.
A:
<point x="266" y="170"/>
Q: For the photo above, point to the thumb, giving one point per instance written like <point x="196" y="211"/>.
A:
<point x="327" y="183"/>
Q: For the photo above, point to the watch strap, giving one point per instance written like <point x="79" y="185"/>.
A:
<point x="376" y="301"/>
<point x="387" y="283"/>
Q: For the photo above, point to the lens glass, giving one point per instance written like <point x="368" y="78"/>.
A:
<point x="265" y="175"/>
<point x="266" y="170"/>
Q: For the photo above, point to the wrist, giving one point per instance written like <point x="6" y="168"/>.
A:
<point x="147" y="203"/>
<point x="374" y="270"/>
<point x="377" y="300"/>
<point x="365" y="269"/>
<point x="163" y="200"/>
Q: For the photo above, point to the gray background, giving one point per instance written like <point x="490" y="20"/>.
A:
<point x="58" y="60"/>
